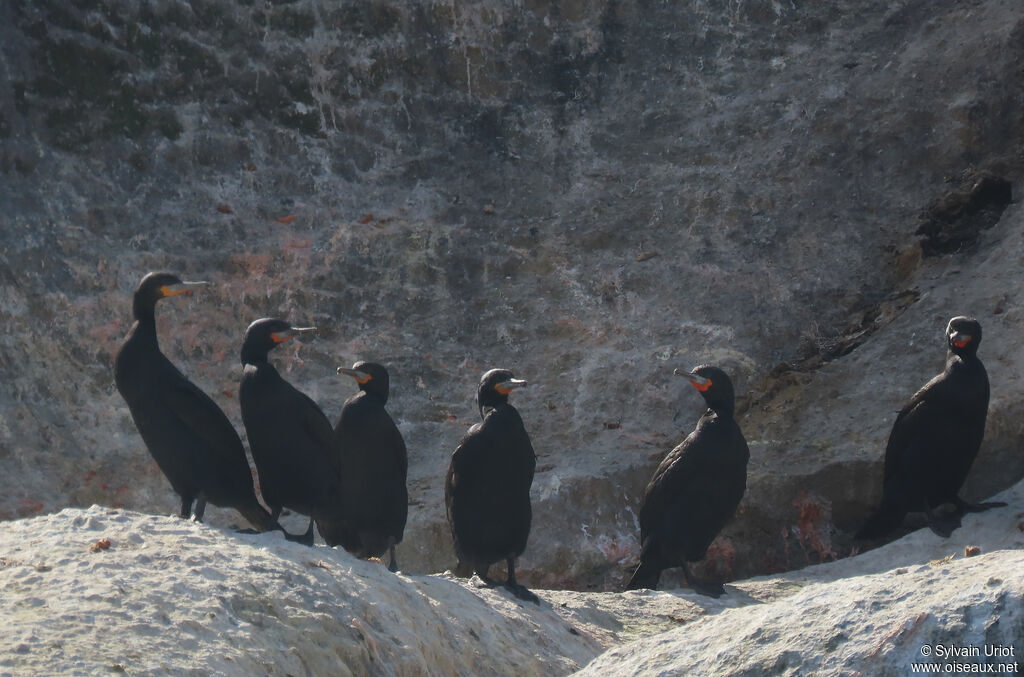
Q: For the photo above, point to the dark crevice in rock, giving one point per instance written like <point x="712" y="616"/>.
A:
<point x="954" y="221"/>
<point x="818" y="348"/>
<point x="950" y="224"/>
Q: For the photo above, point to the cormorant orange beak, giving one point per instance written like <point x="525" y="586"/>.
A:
<point x="701" y="386"/>
<point x="181" y="288"/>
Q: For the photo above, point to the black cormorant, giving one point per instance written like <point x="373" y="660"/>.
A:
<point x="695" y="490"/>
<point x="188" y="435"/>
<point x="290" y="438"/>
<point x="935" y="439"/>
<point x="487" y="489"/>
<point x="375" y="502"/>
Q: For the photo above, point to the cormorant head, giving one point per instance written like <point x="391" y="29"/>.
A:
<point x="495" y="387"/>
<point x="714" y="385"/>
<point x="155" y="286"/>
<point x="263" y="335"/>
<point x="371" y="377"/>
<point x="963" y="334"/>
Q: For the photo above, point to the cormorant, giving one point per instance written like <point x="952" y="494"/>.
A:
<point x="487" y="489"/>
<point x="934" y="441"/>
<point x="695" y="490"/>
<point x="188" y="435"/>
<point x="373" y="461"/>
<point x="290" y="438"/>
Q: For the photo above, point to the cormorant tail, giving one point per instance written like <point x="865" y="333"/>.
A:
<point x="882" y="522"/>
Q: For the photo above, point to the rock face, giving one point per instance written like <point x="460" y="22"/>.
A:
<point x="591" y="193"/>
<point x="89" y="591"/>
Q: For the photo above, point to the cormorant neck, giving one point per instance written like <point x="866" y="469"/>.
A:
<point x="491" y="400"/>
<point x="966" y="354"/>
<point x="145" y="329"/>
<point x="376" y="394"/>
<point x="252" y="355"/>
<point x="723" y="409"/>
<point x="143" y="309"/>
<point x="491" y="406"/>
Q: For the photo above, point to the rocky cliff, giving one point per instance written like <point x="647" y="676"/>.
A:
<point x="590" y="193"/>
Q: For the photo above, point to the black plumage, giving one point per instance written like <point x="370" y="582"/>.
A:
<point x="487" y="489"/>
<point x="187" y="434"/>
<point x="290" y="438"/>
<point x="935" y="439"/>
<point x="695" y="490"/>
<point x="373" y="462"/>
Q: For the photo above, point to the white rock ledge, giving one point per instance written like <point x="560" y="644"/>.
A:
<point x="176" y="597"/>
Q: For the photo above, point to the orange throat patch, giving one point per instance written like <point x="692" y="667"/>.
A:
<point x="702" y="387"/>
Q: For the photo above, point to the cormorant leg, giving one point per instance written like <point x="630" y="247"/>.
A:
<point x="200" y="508"/>
<point x="275" y="516"/>
<point x="707" y="588"/>
<point x="304" y="539"/>
<point x="186" y="508"/>
<point x="510" y="563"/>
<point x="393" y="565"/>
<point x="482" y="573"/>
<point x="964" y="507"/>
<point x="307" y="538"/>
<point x="519" y="591"/>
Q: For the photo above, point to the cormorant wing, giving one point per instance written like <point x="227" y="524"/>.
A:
<point x="398" y="444"/>
<point x="201" y="415"/>
<point x="680" y="470"/>
<point x="389" y="437"/>
<point x="908" y="423"/>
<point x="461" y="460"/>
<point x="317" y="427"/>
